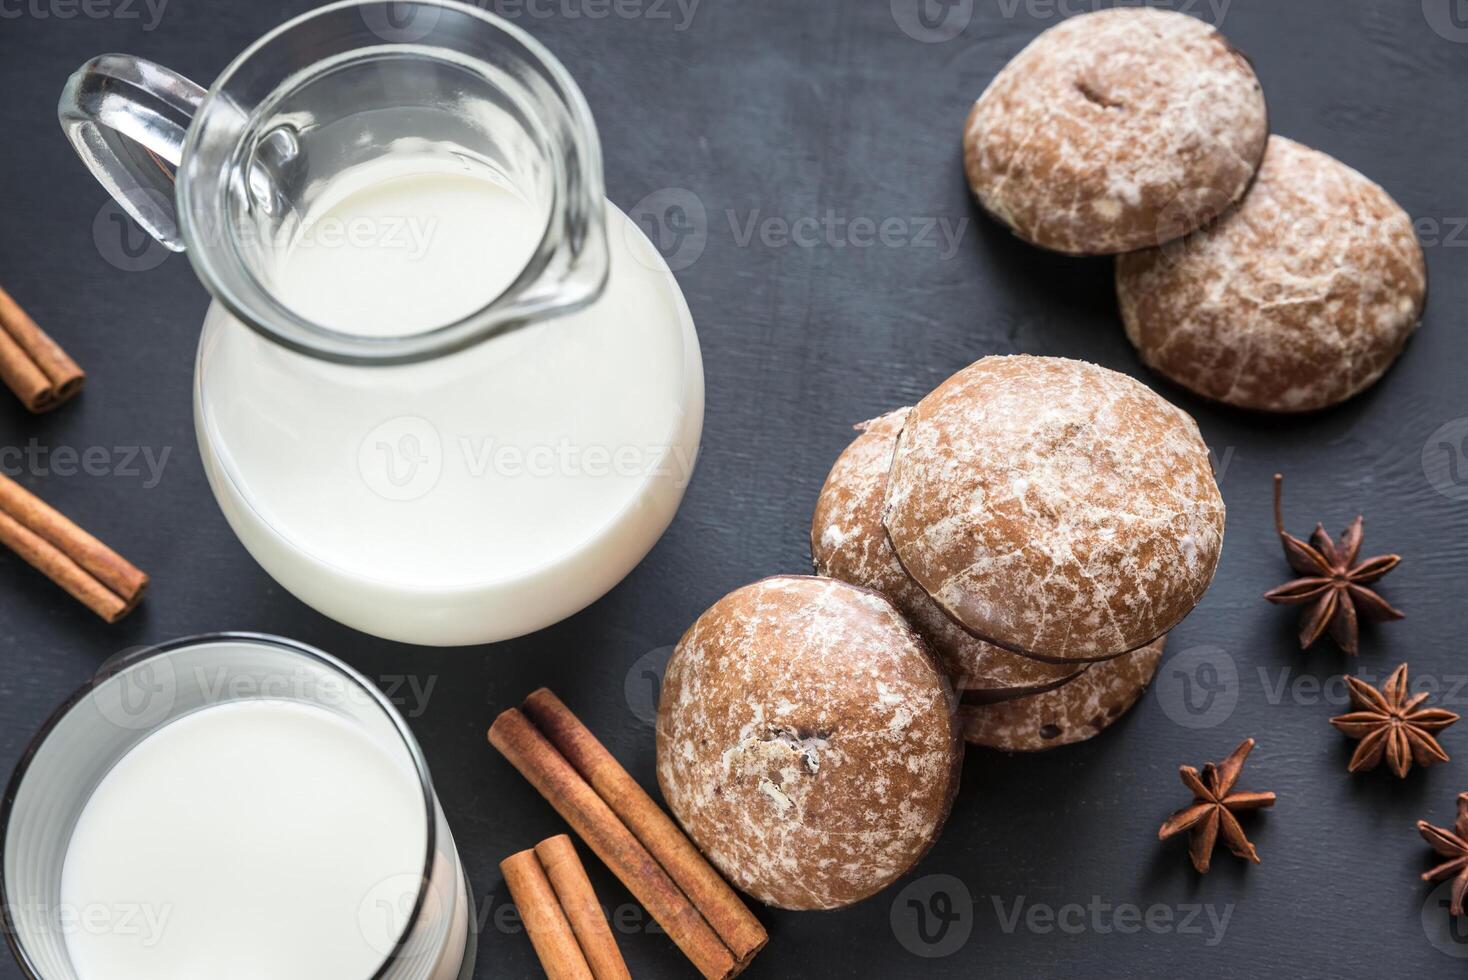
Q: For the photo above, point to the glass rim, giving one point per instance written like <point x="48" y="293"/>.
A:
<point x="131" y="658"/>
<point x="307" y="336"/>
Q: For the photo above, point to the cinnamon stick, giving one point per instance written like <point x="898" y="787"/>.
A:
<point x="93" y="573"/>
<point x="578" y="900"/>
<point x="32" y="364"/>
<point x="577" y="803"/>
<point x="714" y="899"/>
<point x="545" y="922"/>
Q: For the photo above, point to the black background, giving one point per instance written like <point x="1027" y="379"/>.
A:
<point x="789" y="110"/>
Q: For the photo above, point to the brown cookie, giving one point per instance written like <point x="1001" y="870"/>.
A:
<point x="1054" y="507"/>
<point x="807" y="741"/>
<point x="848" y="541"/>
<point x="1074" y="712"/>
<point x="1299" y="298"/>
<point x="1116" y="130"/>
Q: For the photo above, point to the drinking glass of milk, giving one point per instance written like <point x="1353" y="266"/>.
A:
<point x="446" y="392"/>
<point x="230" y="807"/>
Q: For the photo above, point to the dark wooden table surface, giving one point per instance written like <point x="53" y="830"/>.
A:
<point x="787" y="131"/>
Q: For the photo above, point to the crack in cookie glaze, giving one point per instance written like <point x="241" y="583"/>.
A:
<point x="1074" y="712"/>
<point x="1299" y="298"/>
<point x="1055" y="507"/>
<point x="1116" y="130"/>
<point x="848" y="542"/>
<point x="807" y="741"/>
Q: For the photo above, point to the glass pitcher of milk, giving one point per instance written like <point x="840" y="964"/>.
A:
<point x="446" y="393"/>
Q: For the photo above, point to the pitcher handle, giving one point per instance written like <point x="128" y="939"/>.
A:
<point x="127" y="119"/>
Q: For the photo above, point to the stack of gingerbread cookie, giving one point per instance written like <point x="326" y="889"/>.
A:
<point x="1251" y="270"/>
<point x="1042" y="523"/>
<point x="998" y="564"/>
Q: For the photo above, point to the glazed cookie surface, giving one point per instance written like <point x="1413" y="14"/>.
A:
<point x="1055" y="507"/>
<point x="807" y="741"/>
<point x="848" y="542"/>
<point x="1080" y="709"/>
<point x="1297" y="299"/>
<point x="1116" y="130"/>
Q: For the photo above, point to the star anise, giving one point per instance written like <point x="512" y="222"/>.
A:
<point x="1212" y="811"/>
<point x="1451" y="844"/>
<point x="1392" y="726"/>
<point x="1335" y="583"/>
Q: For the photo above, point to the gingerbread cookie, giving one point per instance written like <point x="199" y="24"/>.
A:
<point x="1054" y="507"/>
<point x="1078" y="710"/>
<point x="1116" y="130"/>
<point x="1297" y="299"/>
<point x="807" y="741"/>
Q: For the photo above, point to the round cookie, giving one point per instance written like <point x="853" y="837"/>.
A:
<point x="1054" y="507"/>
<point x="1081" y="709"/>
<point x="848" y="542"/>
<point x="1297" y="299"/>
<point x="807" y="741"/>
<point x="1116" y="130"/>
